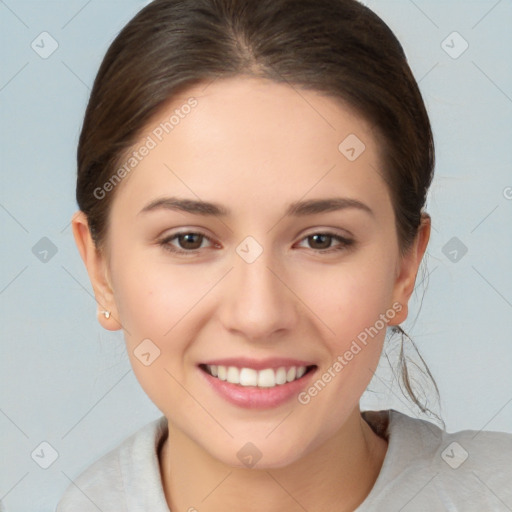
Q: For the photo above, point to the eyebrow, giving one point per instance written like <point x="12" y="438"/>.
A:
<point x="296" y="209"/>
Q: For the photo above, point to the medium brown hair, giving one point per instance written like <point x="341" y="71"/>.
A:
<point x="336" y="47"/>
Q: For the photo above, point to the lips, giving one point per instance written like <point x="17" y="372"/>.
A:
<point x="257" y="389"/>
<point x="257" y="383"/>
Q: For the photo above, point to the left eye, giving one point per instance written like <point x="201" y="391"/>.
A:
<point x="325" y="239"/>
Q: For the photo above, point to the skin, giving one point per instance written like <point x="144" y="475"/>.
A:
<point x="255" y="146"/>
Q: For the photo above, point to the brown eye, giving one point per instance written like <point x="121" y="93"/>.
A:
<point x="186" y="242"/>
<point x="190" y="240"/>
<point x="322" y="242"/>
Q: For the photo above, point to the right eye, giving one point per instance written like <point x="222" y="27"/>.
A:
<point x="189" y="242"/>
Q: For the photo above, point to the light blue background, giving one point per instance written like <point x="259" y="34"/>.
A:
<point x="66" y="381"/>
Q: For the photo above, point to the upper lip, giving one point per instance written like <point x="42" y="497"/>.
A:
<point x="258" y="364"/>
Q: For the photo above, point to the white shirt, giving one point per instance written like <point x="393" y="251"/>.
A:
<point x="425" y="469"/>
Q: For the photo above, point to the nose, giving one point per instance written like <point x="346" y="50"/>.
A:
<point x="258" y="300"/>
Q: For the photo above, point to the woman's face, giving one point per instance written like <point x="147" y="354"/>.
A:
<point x="262" y="279"/>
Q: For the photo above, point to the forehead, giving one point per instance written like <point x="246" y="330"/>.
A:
<point x="245" y="136"/>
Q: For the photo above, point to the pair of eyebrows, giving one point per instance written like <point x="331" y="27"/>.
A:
<point x="294" y="209"/>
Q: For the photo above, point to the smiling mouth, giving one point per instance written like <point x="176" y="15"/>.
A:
<point x="265" y="378"/>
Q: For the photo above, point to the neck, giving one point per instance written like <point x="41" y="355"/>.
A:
<point x="336" y="476"/>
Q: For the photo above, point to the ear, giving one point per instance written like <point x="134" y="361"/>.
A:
<point x="97" y="267"/>
<point x="407" y="269"/>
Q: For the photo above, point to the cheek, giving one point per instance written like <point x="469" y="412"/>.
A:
<point x="140" y="303"/>
<point x="355" y="309"/>
<point x="153" y="301"/>
<point x="350" y="298"/>
<point x="151" y="296"/>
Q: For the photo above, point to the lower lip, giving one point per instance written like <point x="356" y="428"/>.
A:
<point x="252" y="397"/>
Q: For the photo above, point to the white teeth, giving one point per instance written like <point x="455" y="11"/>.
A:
<point x="233" y="375"/>
<point x="292" y="372"/>
<point x="248" y="377"/>
<point x="222" y="371"/>
<point x="267" y="378"/>
<point x="281" y="376"/>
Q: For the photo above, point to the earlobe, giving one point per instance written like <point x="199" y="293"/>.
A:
<point x="408" y="269"/>
<point x="97" y="268"/>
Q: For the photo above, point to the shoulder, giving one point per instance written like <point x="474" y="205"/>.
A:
<point x="428" y="468"/>
<point x="108" y="483"/>
<point x="467" y="450"/>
